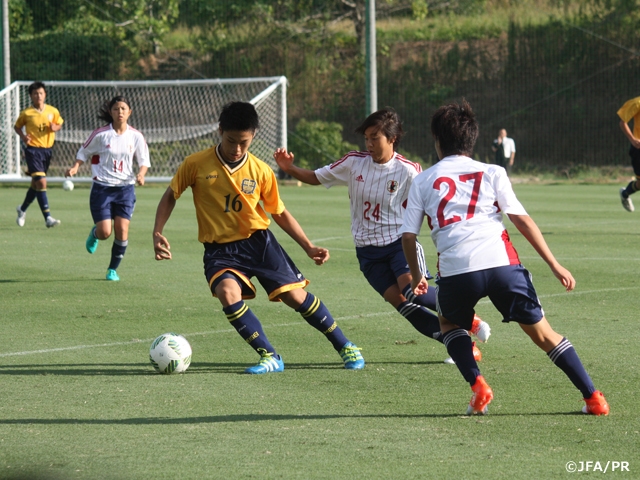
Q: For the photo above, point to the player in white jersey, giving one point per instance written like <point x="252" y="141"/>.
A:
<point x="111" y="150"/>
<point x="463" y="201"/>
<point x="378" y="182"/>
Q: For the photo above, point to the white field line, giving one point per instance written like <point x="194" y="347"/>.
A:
<point x="214" y="332"/>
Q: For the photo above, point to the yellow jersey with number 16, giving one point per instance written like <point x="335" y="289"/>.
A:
<point x="231" y="203"/>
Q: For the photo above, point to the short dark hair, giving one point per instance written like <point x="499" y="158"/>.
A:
<point x="35" y="86"/>
<point x="387" y="121"/>
<point x="105" y="109"/>
<point x="455" y="128"/>
<point x="239" y="117"/>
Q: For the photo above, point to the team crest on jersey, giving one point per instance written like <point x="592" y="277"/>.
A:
<point x="392" y="186"/>
<point x="248" y="186"/>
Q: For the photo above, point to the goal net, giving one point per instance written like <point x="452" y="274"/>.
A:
<point x="176" y="117"/>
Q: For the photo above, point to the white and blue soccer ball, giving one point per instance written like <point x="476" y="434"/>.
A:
<point x="170" y="353"/>
<point x="67" y="185"/>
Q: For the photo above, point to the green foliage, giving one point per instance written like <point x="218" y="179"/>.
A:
<point x="95" y="57"/>
<point x="318" y="143"/>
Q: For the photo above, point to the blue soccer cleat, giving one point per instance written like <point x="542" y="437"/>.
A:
<point x="352" y="357"/>
<point x="267" y="364"/>
<point x="92" y="242"/>
<point x="112" y="275"/>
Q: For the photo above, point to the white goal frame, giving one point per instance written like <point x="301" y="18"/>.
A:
<point x="176" y="117"/>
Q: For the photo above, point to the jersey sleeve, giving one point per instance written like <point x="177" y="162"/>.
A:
<point x="506" y="197"/>
<point x="629" y="110"/>
<point x="270" y="195"/>
<point x="183" y="178"/>
<point x="57" y="119"/>
<point x="338" y="173"/>
<point x="89" y="148"/>
<point x="414" y="213"/>
<point x="22" y="120"/>
<point x="142" y="152"/>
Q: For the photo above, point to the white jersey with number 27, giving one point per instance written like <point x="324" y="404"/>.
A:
<point x="378" y="194"/>
<point x="463" y="201"/>
<point x="112" y="155"/>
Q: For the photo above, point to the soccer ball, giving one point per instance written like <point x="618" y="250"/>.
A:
<point x="170" y="353"/>
<point x="67" y="185"/>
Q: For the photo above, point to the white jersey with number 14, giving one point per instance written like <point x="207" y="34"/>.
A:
<point x="112" y="155"/>
<point x="378" y="194"/>
<point x="463" y="201"/>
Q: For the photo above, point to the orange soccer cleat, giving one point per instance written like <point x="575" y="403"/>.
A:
<point x="480" y="329"/>
<point x="482" y="396"/>
<point x="596" y="405"/>
<point x="477" y="354"/>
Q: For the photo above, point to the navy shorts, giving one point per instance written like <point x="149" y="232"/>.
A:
<point x="634" y="153"/>
<point x="509" y="288"/>
<point x="259" y="256"/>
<point x="38" y="160"/>
<point x="108" y="202"/>
<point x="382" y="266"/>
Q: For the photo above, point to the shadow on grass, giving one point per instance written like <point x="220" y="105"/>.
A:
<point x="142" y="369"/>
<point x="252" y="418"/>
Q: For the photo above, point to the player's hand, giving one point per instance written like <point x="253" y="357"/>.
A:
<point x="283" y="158"/>
<point x="161" y="247"/>
<point x="318" y="254"/>
<point x="55" y="127"/>
<point x="140" y="179"/>
<point x="635" y="142"/>
<point x="71" y="171"/>
<point x="419" y="286"/>
<point x="565" y="277"/>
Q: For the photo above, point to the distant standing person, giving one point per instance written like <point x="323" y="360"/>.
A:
<point x="111" y="150"/>
<point x="505" y="150"/>
<point x="464" y="202"/>
<point x="631" y="111"/>
<point x="41" y="122"/>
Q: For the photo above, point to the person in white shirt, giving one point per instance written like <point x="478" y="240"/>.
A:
<point x="463" y="201"/>
<point x="505" y="150"/>
<point x="378" y="181"/>
<point x="111" y="150"/>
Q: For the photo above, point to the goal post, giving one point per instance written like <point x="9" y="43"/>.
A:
<point x="176" y="117"/>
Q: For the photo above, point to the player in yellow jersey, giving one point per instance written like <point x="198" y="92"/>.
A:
<point x="232" y="192"/>
<point x="631" y="111"/>
<point x="41" y="122"/>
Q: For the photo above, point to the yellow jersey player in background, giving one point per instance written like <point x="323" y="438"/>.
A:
<point x="41" y="122"/>
<point x="631" y="111"/>
<point x="232" y="192"/>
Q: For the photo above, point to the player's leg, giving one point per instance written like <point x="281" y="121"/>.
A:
<point x="119" y="247"/>
<point x="228" y="280"/>
<point x="457" y="297"/>
<point x="633" y="185"/>
<point x="563" y="355"/>
<point x="100" y="200"/>
<point x="122" y="207"/>
<point x="316" y="314"/>
<point x="515" y="297"/>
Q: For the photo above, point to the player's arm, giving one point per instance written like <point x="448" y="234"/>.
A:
<point x="419" y="284"/>
<point x="284" y="160"/>
<point x="624" y="126"/>
<point x="528" y="228"/>
<point x="161" y="246"/>
<point x="21" y="134"/>
<point x="290" y="225"/>
<point x="74" y="169"/>
<point x="141" y="173"/>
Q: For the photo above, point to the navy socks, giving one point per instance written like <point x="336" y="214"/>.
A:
<point x="248" y="326"/>
<point x="318" y="316"/>
<point x="567" y="360"/>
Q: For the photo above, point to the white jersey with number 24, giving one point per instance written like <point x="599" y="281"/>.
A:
<point x="463" y="201"/>
<point x="377" y="192"/>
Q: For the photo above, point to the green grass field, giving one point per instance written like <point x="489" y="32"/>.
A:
<point x="79" y="399"/>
